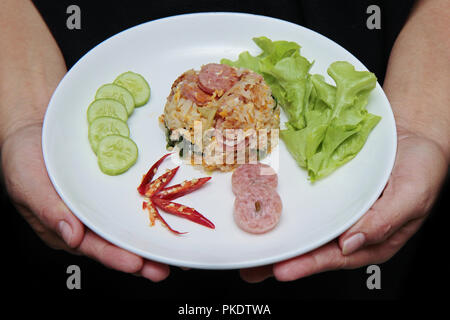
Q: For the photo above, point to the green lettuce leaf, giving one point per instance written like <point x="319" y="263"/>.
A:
<point x="340" y="146"/>
<point x="285" y="71"/>
<point x="246" y="60"/>
<point x="327" y="124"/>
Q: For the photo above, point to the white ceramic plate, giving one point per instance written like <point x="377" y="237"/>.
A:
<point x="161" y="50"/>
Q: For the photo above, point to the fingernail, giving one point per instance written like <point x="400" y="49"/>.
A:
<point x="65" y="231"/>
<point x="353" y="243"/>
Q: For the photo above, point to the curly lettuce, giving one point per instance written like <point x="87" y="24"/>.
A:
<point x="327" y="124"/>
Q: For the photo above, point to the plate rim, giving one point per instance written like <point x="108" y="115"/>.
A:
<point x="217" y="266"/>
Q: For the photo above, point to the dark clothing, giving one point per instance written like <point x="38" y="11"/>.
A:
<point x="343" y="21"/>
<point x="40" y="268"/>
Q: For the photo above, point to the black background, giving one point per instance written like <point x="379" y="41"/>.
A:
<point x="34" y="271"/>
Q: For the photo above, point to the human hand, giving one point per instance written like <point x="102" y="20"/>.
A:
<point x="417" y="176"/>
<point x="33" y="195"/>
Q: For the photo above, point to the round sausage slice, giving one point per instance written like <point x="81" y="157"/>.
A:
<point x="191" y="91"/>
<point x="215" y="76"/>
<point x="257" y="210"/>
<point x="249" y="174"/>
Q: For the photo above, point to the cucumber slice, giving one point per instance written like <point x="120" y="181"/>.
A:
<point x="115" y="92"/>
<point x="116" y="154"/>
<point x="106" y="126"/>
<point x="136" y="84"/>
<point x="106" y="108"/>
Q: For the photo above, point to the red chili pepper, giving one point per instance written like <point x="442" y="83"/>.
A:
<point x="154" y="214"/>
<point x="182" y="211"/>
<point x="151" y="212"/>
<point x="160" y="182"/>
<point x="149" y="175"/>
<point x="181" y="189"/>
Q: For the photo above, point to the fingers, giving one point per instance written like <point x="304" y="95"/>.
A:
<point x="52" y="239"/>
<point x="330" y="256"/>
<point x="412" y="188"/>
<point x="109" y="255"/>
<point x="388" y="214"/>
<point x="33" y="194"/>
<point x="102" y="251"/>
<point x="60" y="219"/>
<point x="381" y="252"/>
<point x="155" y="271"/>
<point x="253" y="275"/>
<point x="325" y="258"/>
<point x="119" y="259"/>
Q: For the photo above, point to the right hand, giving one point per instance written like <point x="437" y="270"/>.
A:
<point x="416" y="179"/>
<point x="34" y="197"/>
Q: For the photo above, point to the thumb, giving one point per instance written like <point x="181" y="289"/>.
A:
<point x="55" y="215"/>
<point x="412" y="188"/>
<point x="392" y="210"/>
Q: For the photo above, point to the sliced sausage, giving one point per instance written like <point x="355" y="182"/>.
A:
<point x="191" y="91"/>
<point x="258" y="209"/>
<point x="249" y="174"/>
<point x="215" y="76"/>
<point x="188" y="76"/>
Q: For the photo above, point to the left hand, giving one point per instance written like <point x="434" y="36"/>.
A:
<point x="414" y="184"/>
<point x="35" y="198"/>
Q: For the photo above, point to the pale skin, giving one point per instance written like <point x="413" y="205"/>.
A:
<point x="31" y="66"/>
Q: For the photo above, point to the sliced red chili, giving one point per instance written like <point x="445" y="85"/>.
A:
<point x="149" y="175"/>
<point x="154" y="214"/>
<point x="182" y="211"/>
<point x="151" y="212"/>
<point x="182" y="189"/>
<point x="160" y="182"/>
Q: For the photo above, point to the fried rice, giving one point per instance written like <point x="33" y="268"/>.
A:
<point x="222" y="115"/>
